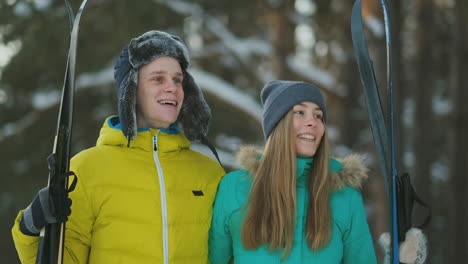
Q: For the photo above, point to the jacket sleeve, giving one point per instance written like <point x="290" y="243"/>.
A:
<point x="220" y="240"/>
<point x="77" y="233"/>
<point x="80" y="223"/>
<point x="26" y="246"/>
<point x="357" y="240"/>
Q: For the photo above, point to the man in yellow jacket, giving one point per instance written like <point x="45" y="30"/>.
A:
<point x="142" y="195"/>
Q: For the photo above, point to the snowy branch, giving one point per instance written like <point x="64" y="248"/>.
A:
<point x="323" y="78"/>
<point x="42" y="101"/>
<point x="242" y="48"/>
<point x="11" y="129"/>
<point x="228" y="93"/>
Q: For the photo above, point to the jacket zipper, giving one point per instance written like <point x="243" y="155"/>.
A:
<point x="162" y="190"/>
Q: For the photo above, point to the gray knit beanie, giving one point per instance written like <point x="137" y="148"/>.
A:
<point x="278" y="97"/>
<point x="195" y="113"/>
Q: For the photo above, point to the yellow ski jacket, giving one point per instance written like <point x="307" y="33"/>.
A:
<point x="150" y="202"/>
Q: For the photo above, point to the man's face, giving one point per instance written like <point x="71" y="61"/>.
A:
<point x="159" y="94"/>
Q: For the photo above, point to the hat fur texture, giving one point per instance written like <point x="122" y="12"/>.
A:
<point x="195" y="113"/>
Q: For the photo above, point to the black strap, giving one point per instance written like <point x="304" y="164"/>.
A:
<point x="212" y="148"/>
<point x="72" y="186"/>
<point x="425" y="205"/>
<point x="406" y="198"/>
<point x="429" y="213"/>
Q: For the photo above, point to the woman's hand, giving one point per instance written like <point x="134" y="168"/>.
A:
<point x="412" y="251"/>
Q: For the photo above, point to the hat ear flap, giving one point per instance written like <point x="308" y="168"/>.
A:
<point x="195" y="113"/>
<point x="127" y="105"/>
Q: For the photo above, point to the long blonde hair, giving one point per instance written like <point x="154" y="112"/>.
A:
<point x="270" y="219"/>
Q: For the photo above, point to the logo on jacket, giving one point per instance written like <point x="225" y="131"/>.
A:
<point x="197" y="192"/>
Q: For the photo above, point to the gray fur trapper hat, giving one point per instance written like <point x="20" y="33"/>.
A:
<point x="195" y="113"/>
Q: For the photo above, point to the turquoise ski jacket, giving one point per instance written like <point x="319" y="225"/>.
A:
<point x="351" y="241"/>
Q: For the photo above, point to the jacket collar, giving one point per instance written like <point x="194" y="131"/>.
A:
<point x="168" y="139"/>
<point x="347" y="171"/>
<point x="303" y="166"/>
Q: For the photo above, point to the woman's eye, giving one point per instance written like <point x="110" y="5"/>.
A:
<point x="319" y="116"/>
<point x="299" y="112"/>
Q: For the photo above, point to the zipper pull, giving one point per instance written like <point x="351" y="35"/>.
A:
<point x="155" y="144"/>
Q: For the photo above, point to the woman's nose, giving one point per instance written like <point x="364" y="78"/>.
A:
<point x="311" y="121"/>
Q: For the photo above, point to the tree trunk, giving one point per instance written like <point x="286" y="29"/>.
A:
<point x="458" y="142"/>
<point x="281" y="30"/>
<point x="424" y="120"/>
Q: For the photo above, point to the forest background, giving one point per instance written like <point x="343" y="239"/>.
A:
<point x="236" y="47"/>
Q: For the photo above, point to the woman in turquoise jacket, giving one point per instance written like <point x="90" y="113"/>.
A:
<point x="292" y="203"/>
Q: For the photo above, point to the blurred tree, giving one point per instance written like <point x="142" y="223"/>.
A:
<point x="457" y="196"/>
<point x="423" y="93"/>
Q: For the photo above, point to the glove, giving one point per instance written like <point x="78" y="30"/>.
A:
<point x="412" y="251"/>
<point x="40" y="212"/>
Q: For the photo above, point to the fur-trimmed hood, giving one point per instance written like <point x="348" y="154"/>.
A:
<point x="353" y="174"/>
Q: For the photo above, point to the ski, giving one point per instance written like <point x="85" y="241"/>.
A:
<point x="383" y="138"/>
<point x="51" y="241"/>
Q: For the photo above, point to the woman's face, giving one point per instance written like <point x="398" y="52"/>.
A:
<point x="159" y="94"/>
<point x="308" y="128"/>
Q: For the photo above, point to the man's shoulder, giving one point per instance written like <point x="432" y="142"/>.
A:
<point x="199" y="159"/>
<point x="88" y="154"/>
<point x="96" y="157"/>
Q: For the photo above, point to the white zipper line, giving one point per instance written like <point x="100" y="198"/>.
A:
<point x="162" y="190"/>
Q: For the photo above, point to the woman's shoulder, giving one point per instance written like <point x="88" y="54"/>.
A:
<point x="233" y="190"/>
<point x="345" y="202"/>
<point x="353" y="174"/>
<point x="234" y="179"/>
<point x="347" y="193"/>
<point x="247" y="159"/>
<point x="347" y="185"/>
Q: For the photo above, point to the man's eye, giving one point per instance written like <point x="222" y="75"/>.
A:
<point x="177" y="80"/>
<point x="157" y="79"/>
